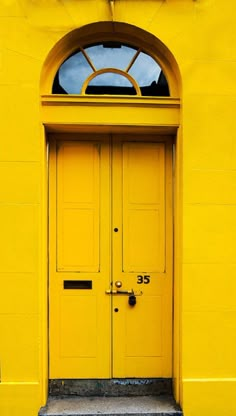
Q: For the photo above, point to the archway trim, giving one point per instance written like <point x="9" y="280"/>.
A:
<point x="106" y="32"/>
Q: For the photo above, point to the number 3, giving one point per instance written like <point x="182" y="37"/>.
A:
<point x="140" y="279"/>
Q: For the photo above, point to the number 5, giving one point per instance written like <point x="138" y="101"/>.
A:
<point x="146" y="279"/>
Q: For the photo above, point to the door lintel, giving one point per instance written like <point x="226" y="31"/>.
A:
<point x="110" y="114"/>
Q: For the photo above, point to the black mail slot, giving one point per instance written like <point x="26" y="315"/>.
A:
<point x="77" y="284"/>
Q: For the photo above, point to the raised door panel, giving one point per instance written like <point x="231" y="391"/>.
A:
<point x="80" y="326"/>
<point x="142" y="258"/>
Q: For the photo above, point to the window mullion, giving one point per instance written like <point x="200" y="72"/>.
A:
<point x="133" y="60"/>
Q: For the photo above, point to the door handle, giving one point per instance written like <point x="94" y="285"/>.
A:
<point x="123" y="292"/>
<point x="111" y="292"/>
<point x="119" y="292"/>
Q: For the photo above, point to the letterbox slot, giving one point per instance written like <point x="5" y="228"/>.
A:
<point x="77" y="284"/>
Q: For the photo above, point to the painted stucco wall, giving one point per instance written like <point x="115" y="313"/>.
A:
<point x="201" y="35"/>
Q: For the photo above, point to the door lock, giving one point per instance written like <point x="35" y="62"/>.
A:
<point x="118" y="284"/>
<point x="132" y="300"/>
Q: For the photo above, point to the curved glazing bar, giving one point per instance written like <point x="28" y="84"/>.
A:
<point x="110" y="81"/>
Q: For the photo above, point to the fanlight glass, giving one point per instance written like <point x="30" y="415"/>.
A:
<point x="85" y="68"/>
<point x="110" y="55"/>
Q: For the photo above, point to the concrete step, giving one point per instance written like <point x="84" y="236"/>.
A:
<point x="111" y="387"/>
<point x="111" y="406"/>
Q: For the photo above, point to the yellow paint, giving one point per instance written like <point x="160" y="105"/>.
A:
<point x="97" y="184"/>
<point x="141" y="204"/>
<point x="64" y="115"/>
<point x="36" y="36"/>
<point x="80" y="320"/>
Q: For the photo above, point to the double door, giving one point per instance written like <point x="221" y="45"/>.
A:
<point x="110" y="280"/>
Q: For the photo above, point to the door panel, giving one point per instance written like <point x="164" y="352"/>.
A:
<point x="141" y="191"/>
<point x="78" y="203"/>
<point x="143" y="206"/>
<point x="80" y="258"/>
<point x="110" y="220"/>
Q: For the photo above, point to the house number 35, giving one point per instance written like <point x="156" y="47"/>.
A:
<point x="143" y="279"/>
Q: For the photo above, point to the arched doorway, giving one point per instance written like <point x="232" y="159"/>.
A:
<point x="111" y="218"/>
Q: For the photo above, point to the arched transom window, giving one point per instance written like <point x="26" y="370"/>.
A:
<point x="112" y="68"/>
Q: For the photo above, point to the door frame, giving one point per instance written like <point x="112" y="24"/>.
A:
<point x="147" y="116"/>
<point x="128" y="115"/>
<point x="158" y="138"/>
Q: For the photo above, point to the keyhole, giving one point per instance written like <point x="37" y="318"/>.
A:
<point x="116" y="310"/>
<point x="116" y="230"/>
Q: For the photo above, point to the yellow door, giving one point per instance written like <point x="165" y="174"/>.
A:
<point x="110" y="256"/>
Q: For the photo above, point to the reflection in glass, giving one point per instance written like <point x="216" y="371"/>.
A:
<point x="104" y="56"/>
<point x="116" y="80"/>
<point x="110" y="83"/>
<point x="76" y="69"/>
<point x="73" y="72"/>
<point x="145" y="70"/>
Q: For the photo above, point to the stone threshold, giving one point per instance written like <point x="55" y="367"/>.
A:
<point x="111" y="406"/>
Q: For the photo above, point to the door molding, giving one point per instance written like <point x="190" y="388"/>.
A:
<point x="56" y="120"/>
<point x="110" y="115"/>
<point x="143" y="118"/>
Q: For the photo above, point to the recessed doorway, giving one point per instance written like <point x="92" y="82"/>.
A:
<point x="111" y="273"/>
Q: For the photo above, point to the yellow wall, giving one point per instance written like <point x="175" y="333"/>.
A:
<point x="201" y="35"/>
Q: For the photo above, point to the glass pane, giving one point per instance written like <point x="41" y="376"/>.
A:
<point x="110" y="83"/>
<point x="106" y="56"/>
<point x="73" y="73"/>
<point x="145" y="70"/>
<point x="111" y="79"/>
